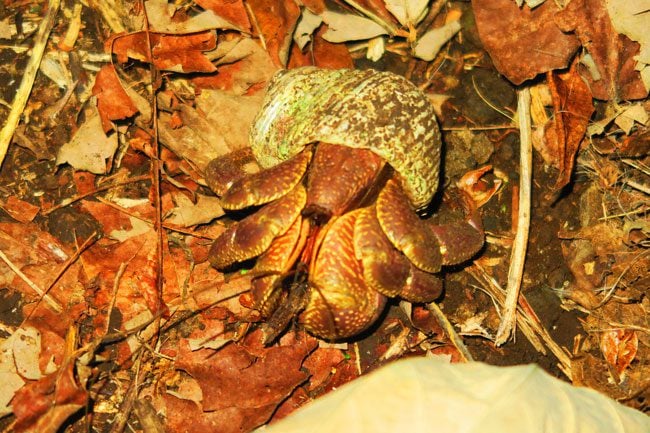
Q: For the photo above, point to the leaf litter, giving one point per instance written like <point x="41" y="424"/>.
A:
<point x="137" y="318"/>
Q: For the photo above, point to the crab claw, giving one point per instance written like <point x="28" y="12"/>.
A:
<point x="254" y="234"/>
<point x="340" y="303"/>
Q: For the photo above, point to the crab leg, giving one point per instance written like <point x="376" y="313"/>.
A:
<point x="340" y="303"/>
<point x="267" y="185"/>
<point x="385" y="269"/>
<point x="426" y="245"/>
<point x="254" y="234"/>
<point x="271" y="266"/>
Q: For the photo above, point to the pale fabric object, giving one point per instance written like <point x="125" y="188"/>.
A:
<point x="428" y="395"/>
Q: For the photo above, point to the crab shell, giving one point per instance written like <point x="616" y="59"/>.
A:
<point x="379" y="111"/>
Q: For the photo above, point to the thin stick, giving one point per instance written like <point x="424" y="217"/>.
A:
<point x="69" y="201"/>
<point x="47" y="298"/>
<point x="456" y="339"/>
<point x="527" y="320"/>
<point x="518" y="254"/>
<point x="22" y="95"/>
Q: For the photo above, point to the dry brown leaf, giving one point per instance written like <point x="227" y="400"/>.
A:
<point x="176" y="53"/>
<point x="619" y="347"/>
<point x="90" y="147"/>
<point x="523" y="42"/>
<point x="44" y="405"/>
<point x="232" y="10"/>
<point x="20" y="210"/>
<point x="612" y="54"/>
<point x="113" y="103"/>
<point x="277" y="19"/>
<point x="573" y="107"/>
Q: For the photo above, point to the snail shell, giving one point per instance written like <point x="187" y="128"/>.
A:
<point x="379" y="111"/>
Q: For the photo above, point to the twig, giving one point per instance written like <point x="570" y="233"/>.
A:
<point x="22" y="95"/>
<point x="49" y="299"/>
<point x="69" y="201"/>
<point x="518" y="254"/>
<point x="527" y="320"/>
<point x="87" y="243"/>
<point x="456" y="340"/>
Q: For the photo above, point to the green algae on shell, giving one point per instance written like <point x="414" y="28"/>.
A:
<point x="379" y="111"/>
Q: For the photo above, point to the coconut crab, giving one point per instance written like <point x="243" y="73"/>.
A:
<point x="347" y="158"/>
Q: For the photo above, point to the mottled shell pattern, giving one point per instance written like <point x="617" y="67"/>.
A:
<point x="379" y="111"/>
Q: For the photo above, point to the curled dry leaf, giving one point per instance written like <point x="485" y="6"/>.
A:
<point x="523" y="42"/>
<point x="307" y="24"/>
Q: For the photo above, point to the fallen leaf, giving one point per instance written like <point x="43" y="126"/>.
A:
<point x="113" y="103"/>
<point x="176" y="53"/>
<point x="232" y="10"/>
<point x="619" y="347"/>
<point x="187" y="214"/>
<point x="407" y="12"/>
<point x="631" y="19"/>
<point x="89" y="148"/>
<point x="573" y="107"/>
<point x="277" y="20"/>
<point x="428" y="46"/>
<point x="322" y="53"/>
<point x="307" y="25"/>
<point x="523" y="42"/>
<point x="612" y="75"/>
<point x="44" y="405"/>
<point x="348" y="27"/>
<point x="161" y="19"/>
<point x="255" y="69"/>
<point x="632" y="114"/>
<point x="7" y="30"/>
<point x="19" y="210"/>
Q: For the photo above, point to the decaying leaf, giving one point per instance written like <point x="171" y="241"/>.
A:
<point x="631" y="19"/>
<point x="407" y="12"/>
<point x="89" y="148"/>
<point x="619" y="347"/>
<point x="113" y="103"/>
<point x="43" y="406"/>
<point x="232" y="10"/>
<point x="348" y="27"/>
<point x="428" y="46"/>
<point x="20" y="210"/>
<point x="523" y="42"/>
<point x="161" y="15"/>
<point x="610" y="67"/>
<point x="186" y="213"/>
<point x="277" y="20"/>
<point x="573" y="107"/>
